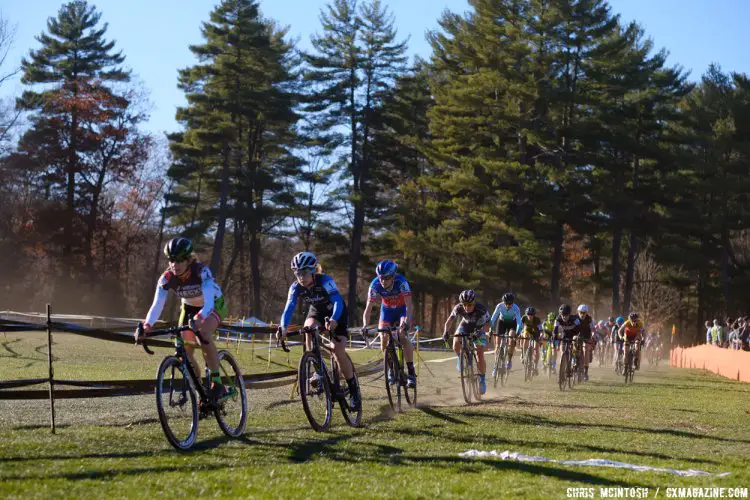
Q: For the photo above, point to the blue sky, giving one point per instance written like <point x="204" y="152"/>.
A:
<point x="155" y="34"/>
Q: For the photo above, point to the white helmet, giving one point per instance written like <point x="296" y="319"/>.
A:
<point x="304" y="259"/>
<point x="583" y="308"/>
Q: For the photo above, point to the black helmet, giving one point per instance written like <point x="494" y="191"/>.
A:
<point x="467" y="297"/>
<point x="564" y="310"/>
<point x="508" y="298"/>
<point x="530" y="311"/>
<point x="178" y="249"/>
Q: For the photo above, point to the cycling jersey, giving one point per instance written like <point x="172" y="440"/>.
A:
<point x="508" y="315"/>
<point x="476" y="318"/>
<point x="393" y="304"/>
<point x="632" y="329"/>
<point x="531" y="326"/>
<point x="585" y="329"/>
<point x="324" y="300"/>
<point x="567" y="328"/>
<point x="195" y="287"/>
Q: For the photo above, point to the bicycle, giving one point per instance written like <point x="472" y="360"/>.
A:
<point x="619" y="362"/>
<point x="179" y="389"/>
<point x="501" y="361"/>
<point x="531" y="363"/>
<point x="577" y="365"/>
<point x="629" y="365"/>
<point x="319" y="394"/>
<point x="395" y="373"/>
<point x="468" y="359"/>
<point x="565" y="371"/>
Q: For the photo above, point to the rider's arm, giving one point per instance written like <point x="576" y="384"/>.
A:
<point x="157" y="306"/>
<point x="495" y="316"/>
<point x="409" y="310"/>
<point x="291" y="303"/>
<point x="449" y="321"/>
<point x="366" y="314"/>
<point x="208" y="287"/>
<point x="334" y="296"/>
<point x="517" y="310"/>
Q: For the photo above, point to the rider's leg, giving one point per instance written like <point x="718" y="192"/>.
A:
<point x="339" y="351"/>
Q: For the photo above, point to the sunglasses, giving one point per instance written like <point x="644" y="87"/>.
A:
<point x="177" y="261"/>
<point x="386" y="278"/>
<point x="305" y="271"/>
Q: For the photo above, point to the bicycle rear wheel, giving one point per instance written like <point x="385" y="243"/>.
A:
<point x="392" y="372"/>
<point x="176" y="403"/>
<point x="231" y="413"/>
<point x="529" y="371"/>
<point x="628" y="365"/>
<point x="467" y="375"/>
<point x="496" y="371"/>
<point x="504" y="372"/>
<point x="352" y="417"/>
<point x="316" y="396"/>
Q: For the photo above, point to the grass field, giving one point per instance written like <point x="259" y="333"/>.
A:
<point x="114" y="447"/>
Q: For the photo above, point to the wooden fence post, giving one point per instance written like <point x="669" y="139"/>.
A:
<point x="51" y="373"/>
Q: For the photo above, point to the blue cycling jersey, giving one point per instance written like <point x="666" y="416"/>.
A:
<point x="390" y="299"/>
<point x="323" y="296"/>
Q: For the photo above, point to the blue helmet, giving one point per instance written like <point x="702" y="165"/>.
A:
<point x="386" y="268"/>
<point x="620" y="320"/>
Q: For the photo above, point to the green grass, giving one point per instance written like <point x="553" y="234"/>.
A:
<point x="115" y="447"/>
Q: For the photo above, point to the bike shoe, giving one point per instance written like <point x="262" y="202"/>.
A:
<point x="411" y="381"/>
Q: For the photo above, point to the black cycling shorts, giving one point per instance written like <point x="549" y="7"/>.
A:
<point x="320" y="317"/>
<point x="508" y="327"/>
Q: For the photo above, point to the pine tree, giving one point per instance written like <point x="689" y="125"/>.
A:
<point x="355" y="62"/>
<point x="240" y="130"/>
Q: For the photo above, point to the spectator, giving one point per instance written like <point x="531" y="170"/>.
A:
<point x="717" y="333"/>
<point x="708" y="332"/>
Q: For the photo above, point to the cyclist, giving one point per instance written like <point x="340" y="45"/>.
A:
<point x="567" y="325"/>
<point x="586" y="336"/>
<point x="509" y="316"/>
<point x="325" y="302"/>
<point x="617" y="339"/>
<point x="531" y="330"/>
<point x="202" y="301"/>
<point x="475" y="317"/>
<point x="393" y="292"/>
<point x="548" y="341"/>
<point x="630" y="331"/>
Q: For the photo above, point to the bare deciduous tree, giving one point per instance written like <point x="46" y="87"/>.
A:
<point x="652" y="299"/>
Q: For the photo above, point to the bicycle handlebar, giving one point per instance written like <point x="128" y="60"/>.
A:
<point x="141" y="337"/>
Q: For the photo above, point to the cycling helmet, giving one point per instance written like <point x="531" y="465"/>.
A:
<point x="634" y="316"/>
<point x="508" y="298"/>
<point x="386" y="268"/>
<point x="304" y="260"/>
<point x="602" y="324"/>
<point x="530" y="311"/>
<point x="620" y="320"/>
<point x="564" y="310"/>
<point x="178" y="249"/>
<point x="583" y="308"/>
<point x="467" y="297"/>
<point x="551" y="316"/>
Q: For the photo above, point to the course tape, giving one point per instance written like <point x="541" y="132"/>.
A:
<point x="592" y="462"/>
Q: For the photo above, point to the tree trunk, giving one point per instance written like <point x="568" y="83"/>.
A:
<point x="597" y="275"/>
<point x="616" y="245"/>
<point x="160" y="239"/>
<point x="725" y="278"/>
<point x="433" y="315"/>
<point x="355" y="253"/>
<point x="557" y="263"/>
<point x="630" y="271"/>
<point x="222" y="222"/>
<point x="239" y="238"/>
<point x="255" y="268"/>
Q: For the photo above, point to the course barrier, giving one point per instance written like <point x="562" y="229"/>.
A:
<point x="725" y="362"/>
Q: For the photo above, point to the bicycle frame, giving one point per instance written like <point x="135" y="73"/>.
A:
<point x="176" y="333"/>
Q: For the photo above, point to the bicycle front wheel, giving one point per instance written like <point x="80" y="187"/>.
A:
<point x="353" y="417"/>
<point x="315" y="392"/>
<point x="176" y="403"/>
<point x="562" y="374"/>
<point x="231" y="411"/>
<point x="392" y="374"/>
<point x="467" y="375"/>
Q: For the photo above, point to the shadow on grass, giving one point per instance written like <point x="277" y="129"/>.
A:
<point x="526" y="419"/>
<point x="442" y="416"/>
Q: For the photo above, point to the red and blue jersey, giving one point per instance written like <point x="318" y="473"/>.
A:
<point x="390" y="299"/>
